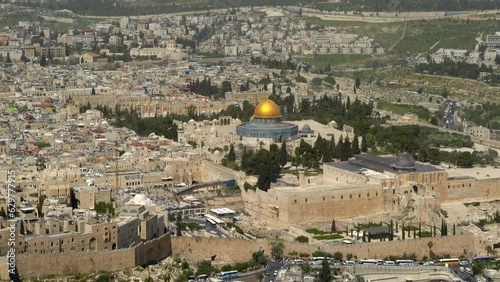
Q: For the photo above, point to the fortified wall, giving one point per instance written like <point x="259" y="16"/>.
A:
<point x="473" y="189"/>
<point x="40" y="265"/>
<point x="282" y="206"/>
<point x="240" y="250"/>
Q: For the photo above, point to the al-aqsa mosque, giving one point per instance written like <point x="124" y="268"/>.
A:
<point x="266" y="126"/>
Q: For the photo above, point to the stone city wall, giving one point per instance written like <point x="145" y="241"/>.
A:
<point x="471" y="189"/>
<point x="197" y="249"/>
<point x="39" y="265"/>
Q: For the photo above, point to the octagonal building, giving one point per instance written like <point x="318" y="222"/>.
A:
<point x="266" y="126"/>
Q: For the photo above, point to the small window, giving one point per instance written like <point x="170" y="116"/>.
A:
<point x="368" y="195"/>
<point x="359" y="196"/>
<point x="350" y="196"/>
<point x="323" y="198"/>
<point x="376" y="194"/>
<point x="295" y="201"/>
<point x="342" y="197"/>
<point x="306" y="200"/>
<point x="470" y="185"/>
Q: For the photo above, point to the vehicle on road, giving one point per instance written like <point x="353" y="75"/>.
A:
<point x="464" y="262"/>
<point x="450" y="261"/>
<point x="468" y="270"/>
<point x="482" y="259"/>
<point x="368" y="261"/>
<point x="226" y="275"/>
<point x="404" y="262"/>
<point x="319" y="260"/>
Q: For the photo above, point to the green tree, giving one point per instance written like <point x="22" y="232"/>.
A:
<point x="93" y="91"/>
<point x="179" y="225"/>
<point x="231" y="156"/>
<point x="325" y="273"/>
<point x="358" y="82"/>
<point x="338" y="256"/>
<point x="7" y="59"/>
<point x="302" y="239"/>
<point x="283" y="155"/>
<point x="43" y="61"/>
<point x="21" y="229"/>
<point x="355" y="146"/>
<point x="2" y="213"/>
<point x="334" y="227"/>
<point x="364" y="145"/>
<point x="277" y="249"/>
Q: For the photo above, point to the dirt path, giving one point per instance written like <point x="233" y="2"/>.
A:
<point x="401" y="38"/>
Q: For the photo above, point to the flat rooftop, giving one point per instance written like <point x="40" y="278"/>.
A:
<point x="310" y="190"/>
<point x="488" y="172"/>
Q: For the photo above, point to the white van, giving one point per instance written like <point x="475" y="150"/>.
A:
<point x="298" y="261"/>
<point x="349" y="262"/>
<point x="389" y="262"/>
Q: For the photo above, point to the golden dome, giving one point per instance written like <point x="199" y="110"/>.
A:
<point x="267" y="109"/>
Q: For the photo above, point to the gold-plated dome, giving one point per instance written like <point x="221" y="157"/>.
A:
<point x="267" y="109"/>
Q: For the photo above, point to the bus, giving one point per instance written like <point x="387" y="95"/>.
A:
<point x="368" y="261"/>
<point x="227" y="275"/>
<point x="211" y="222"/>
<point x="482" y="259"/>
<point x="202" y="277"/>
<point x="449" y="261"/>
<point x="319" y="260"/>
<point x="404" y="262"/>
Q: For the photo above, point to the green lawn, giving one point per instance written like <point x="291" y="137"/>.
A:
<point x="422" y="112"/>
<point x="328" y="237"/>
<point x="317" y="231"/>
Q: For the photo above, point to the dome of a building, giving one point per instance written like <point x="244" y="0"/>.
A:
<point x="267" y="109"/>
<point x="306" y="127"/>
<point x="405" y="161"/>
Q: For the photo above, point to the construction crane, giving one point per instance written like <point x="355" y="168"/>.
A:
<point x="117" y="154"/>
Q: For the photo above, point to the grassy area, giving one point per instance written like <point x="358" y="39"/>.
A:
<point x="328" y="237"/>
<point x="421" y="112"/>
<point x="384" y="34"/>
<point x="424" y="234"/>
<point x="450" y="33"/>
<point x="420" y="35"/>
<point x="411" y="228"/>
<point x="317" y="231"/>
<point x="320" y="61"/>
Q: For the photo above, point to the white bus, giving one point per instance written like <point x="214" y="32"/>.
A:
<point x="404" y="262"/>
<point x="319" y="260"/>
<point x="368" y="261"/>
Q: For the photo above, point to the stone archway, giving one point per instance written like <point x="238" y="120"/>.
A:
<point x="93" y="244"/>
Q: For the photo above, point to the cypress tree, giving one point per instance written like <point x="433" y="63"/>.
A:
<point x="403" y="230"/>
<point x="355" y="146"/>
<point x="364" y="145"/>
<point x="283" y="155"/>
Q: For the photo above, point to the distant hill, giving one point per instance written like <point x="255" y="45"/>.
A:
<point x="134" y="8"/>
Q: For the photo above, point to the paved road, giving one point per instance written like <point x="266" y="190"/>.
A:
<point x="463" y="275"/>
<point x="272" y="267"/>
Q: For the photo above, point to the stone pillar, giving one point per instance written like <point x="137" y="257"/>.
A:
<point x="190" y="179"/>
<point x="302" y="182"/>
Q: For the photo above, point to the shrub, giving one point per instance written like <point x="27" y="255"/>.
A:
<point x="302" y="239"/>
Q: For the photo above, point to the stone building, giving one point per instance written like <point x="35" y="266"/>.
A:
<point x="266" y="126"/>
<point x="363" y="186"/>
